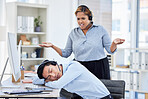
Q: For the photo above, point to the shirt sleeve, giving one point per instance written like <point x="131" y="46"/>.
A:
<point x="106" y="41"/>
<point x="71" y="74"/>
<point x="68" y="49"/>
<point x="38" y="81"/>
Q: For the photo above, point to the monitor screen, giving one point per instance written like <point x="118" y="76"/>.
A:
<point x="14" y="57"/>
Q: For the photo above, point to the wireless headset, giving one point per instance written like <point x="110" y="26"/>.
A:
<point x="51" y="62"/>
<point x="84" y="9"/>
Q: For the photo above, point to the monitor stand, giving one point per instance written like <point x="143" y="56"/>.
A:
<point x="3" y="71"/>
<point x="9" y="84"/>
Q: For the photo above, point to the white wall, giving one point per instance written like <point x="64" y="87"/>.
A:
<point x="2" y="34"/>
<point x="61" y="20"/>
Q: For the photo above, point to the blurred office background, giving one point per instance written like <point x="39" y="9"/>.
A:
<point x="126" y="19"/>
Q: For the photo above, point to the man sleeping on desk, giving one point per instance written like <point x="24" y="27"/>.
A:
<point x="73" y="77"/>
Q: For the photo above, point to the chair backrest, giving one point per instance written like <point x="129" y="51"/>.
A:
<point x="115" y="87"/>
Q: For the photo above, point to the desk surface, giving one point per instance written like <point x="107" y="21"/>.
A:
<point x="54" y="93"/>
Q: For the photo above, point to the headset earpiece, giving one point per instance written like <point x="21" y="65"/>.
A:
<point x="84" y="9"/>
<point x="90" y="17"/>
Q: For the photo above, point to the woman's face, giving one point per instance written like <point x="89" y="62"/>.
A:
<point x="82" y="20"/>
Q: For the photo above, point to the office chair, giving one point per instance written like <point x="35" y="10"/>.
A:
<point x="66" y="94"/>
<point x="115" y="87"/>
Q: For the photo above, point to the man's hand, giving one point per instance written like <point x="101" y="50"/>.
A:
<point x="46" y="81"/>
<point x="46" y="44"/>
<point x="118" y="41"/>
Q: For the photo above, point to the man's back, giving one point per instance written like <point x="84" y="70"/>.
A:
<point x="85" y="84"/>
<point x="77" y="79"/>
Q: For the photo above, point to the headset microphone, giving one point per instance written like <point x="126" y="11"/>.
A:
<point x="59" y="68"/>
<point x="87" y="26"/>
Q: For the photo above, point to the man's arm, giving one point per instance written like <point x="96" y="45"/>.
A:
<point x="38" y="81"/>
<point x="71" y="74"/>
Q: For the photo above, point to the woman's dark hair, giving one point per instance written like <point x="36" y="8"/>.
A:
<point x="42" y="65"/>
<point x="85" y="9"/>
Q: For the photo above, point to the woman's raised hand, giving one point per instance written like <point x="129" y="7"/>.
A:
<point x="46" y="44"/>
<point x="118" y="41"/>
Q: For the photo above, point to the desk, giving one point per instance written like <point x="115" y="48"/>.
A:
<point x="54" y="93"/>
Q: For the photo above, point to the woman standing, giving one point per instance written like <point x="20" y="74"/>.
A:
<point x="87" y="42"/>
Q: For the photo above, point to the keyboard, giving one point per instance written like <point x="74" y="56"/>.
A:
<point x="10" y="86"/>
<point x="31" y="85"/>
<point x="38" y="87"/>
<point x="23" y="92"/>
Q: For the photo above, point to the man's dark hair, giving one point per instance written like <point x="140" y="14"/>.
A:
<point x="42" y="65"/>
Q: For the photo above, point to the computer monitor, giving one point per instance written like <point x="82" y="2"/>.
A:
<point x="13" y="54"/>
<point x="14" y="57"/>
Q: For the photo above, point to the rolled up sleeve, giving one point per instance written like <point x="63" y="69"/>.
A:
<point x="107" y="41"/>
<point x="68" y="49"/>
<point x="38" y="81"/>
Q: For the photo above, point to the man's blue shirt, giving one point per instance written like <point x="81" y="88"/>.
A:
<point x="77" y="79"/>
<point x="88" y="47"/>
